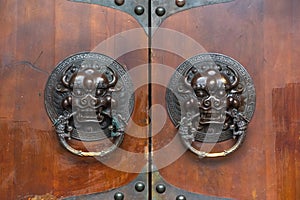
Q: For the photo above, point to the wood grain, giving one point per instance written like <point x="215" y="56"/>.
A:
<point x="286" y="117"/>
<point x="262" y="36"/>
<point x="34" y="37"/>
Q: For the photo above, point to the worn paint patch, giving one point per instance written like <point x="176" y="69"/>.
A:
<point x="43" y="197"/>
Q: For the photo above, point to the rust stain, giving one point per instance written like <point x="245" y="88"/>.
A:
<point x="254" y="195"/>
<point x="43" y="197"/>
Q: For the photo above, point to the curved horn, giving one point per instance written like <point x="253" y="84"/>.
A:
<point x="194" y="71"/>
<point x="186" y="82"/>
<point x="64" y="81"/>
<point x="114" y="81"/>
<point x="237" y="80"/>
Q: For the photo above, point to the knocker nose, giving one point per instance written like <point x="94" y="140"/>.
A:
<point x="213" y="102"/>
<point x="216" y="103"/>
<point x="89" y="100"/>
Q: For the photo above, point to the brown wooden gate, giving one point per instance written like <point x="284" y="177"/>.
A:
<point x="263" y="35"/>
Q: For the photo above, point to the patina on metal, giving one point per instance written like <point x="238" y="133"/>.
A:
<point x="89" y="97"/>
<point x="158" y="10"/>
<point x="211" y="98"/>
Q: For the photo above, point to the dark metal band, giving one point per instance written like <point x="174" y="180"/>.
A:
<point x="137" y="189"/>
<point x="160" y="9"/>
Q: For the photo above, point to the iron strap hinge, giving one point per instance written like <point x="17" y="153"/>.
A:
<point x="160" y="9"/>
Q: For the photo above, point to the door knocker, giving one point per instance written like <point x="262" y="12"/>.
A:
<point x="89" y="97"/>
<point x="210" y="99"/>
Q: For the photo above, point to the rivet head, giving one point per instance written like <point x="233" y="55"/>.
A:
<point x="160" y="11"/>
<point x="139" y="186"/>
<point x="160" y="188"/>
<point x="180" y="197"/>
<point x="180" y="3"/>
<point x="119" y="2"/>
<point x="139" y="10"/>
<point x="119" y="196"/>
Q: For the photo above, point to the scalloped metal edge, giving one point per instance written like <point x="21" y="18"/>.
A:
<point x="143" y="19"/>
<point x="129" y="191"/>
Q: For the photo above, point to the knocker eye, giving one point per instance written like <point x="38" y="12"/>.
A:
<point x="78" y="92"/>
<point x="201" y="93"/>
<point x="100" y="92"/>
<point x="221" y="93"/>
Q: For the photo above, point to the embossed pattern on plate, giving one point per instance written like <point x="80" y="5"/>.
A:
<point x="93" y="90"/>
<point x="216" y="92"/>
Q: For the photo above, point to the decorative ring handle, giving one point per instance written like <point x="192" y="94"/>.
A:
<point x="89" y="97"/>
<point x="91" y="153"/>
<point x="211" y="99"/>
<point x="64" y="131"/>
<point x="203" y="154"/>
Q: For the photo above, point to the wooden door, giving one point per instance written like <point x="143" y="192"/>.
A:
<point x="35" y="36"/>
<point x="262" y="35"/>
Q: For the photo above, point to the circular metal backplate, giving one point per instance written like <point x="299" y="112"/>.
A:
<point x="203" y="74"/>
<point x="61" y="87"/>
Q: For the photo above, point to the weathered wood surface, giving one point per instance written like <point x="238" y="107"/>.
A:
<point x="264" y="36"/>
<point x="34" y="37"/>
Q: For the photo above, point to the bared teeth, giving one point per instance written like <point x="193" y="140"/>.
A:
<point x="89" y="113"/>
<point x="212" y="117"/>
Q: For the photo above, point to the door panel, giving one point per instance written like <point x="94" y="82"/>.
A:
<point x="35" y="36"/>
<point x="262" y="36"/>
<point x="286" y="128"/>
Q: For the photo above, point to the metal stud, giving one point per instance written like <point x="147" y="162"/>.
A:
<point x="119" y="2"/>
<point x="139" y="186"/>
<point x="180" y="197"/>
<point x="180" y="3"/>
<point x="160" y="11"/>
<point x="160" y="188"/>
<point x="139" y="10"/>
<point x="119" y="196"/>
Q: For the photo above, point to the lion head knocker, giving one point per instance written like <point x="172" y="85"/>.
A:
<point x="83" y="92"/>
<point x="216" y="100"/>
<point x="217" y="97"/>
<point x="90" y="99"/>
